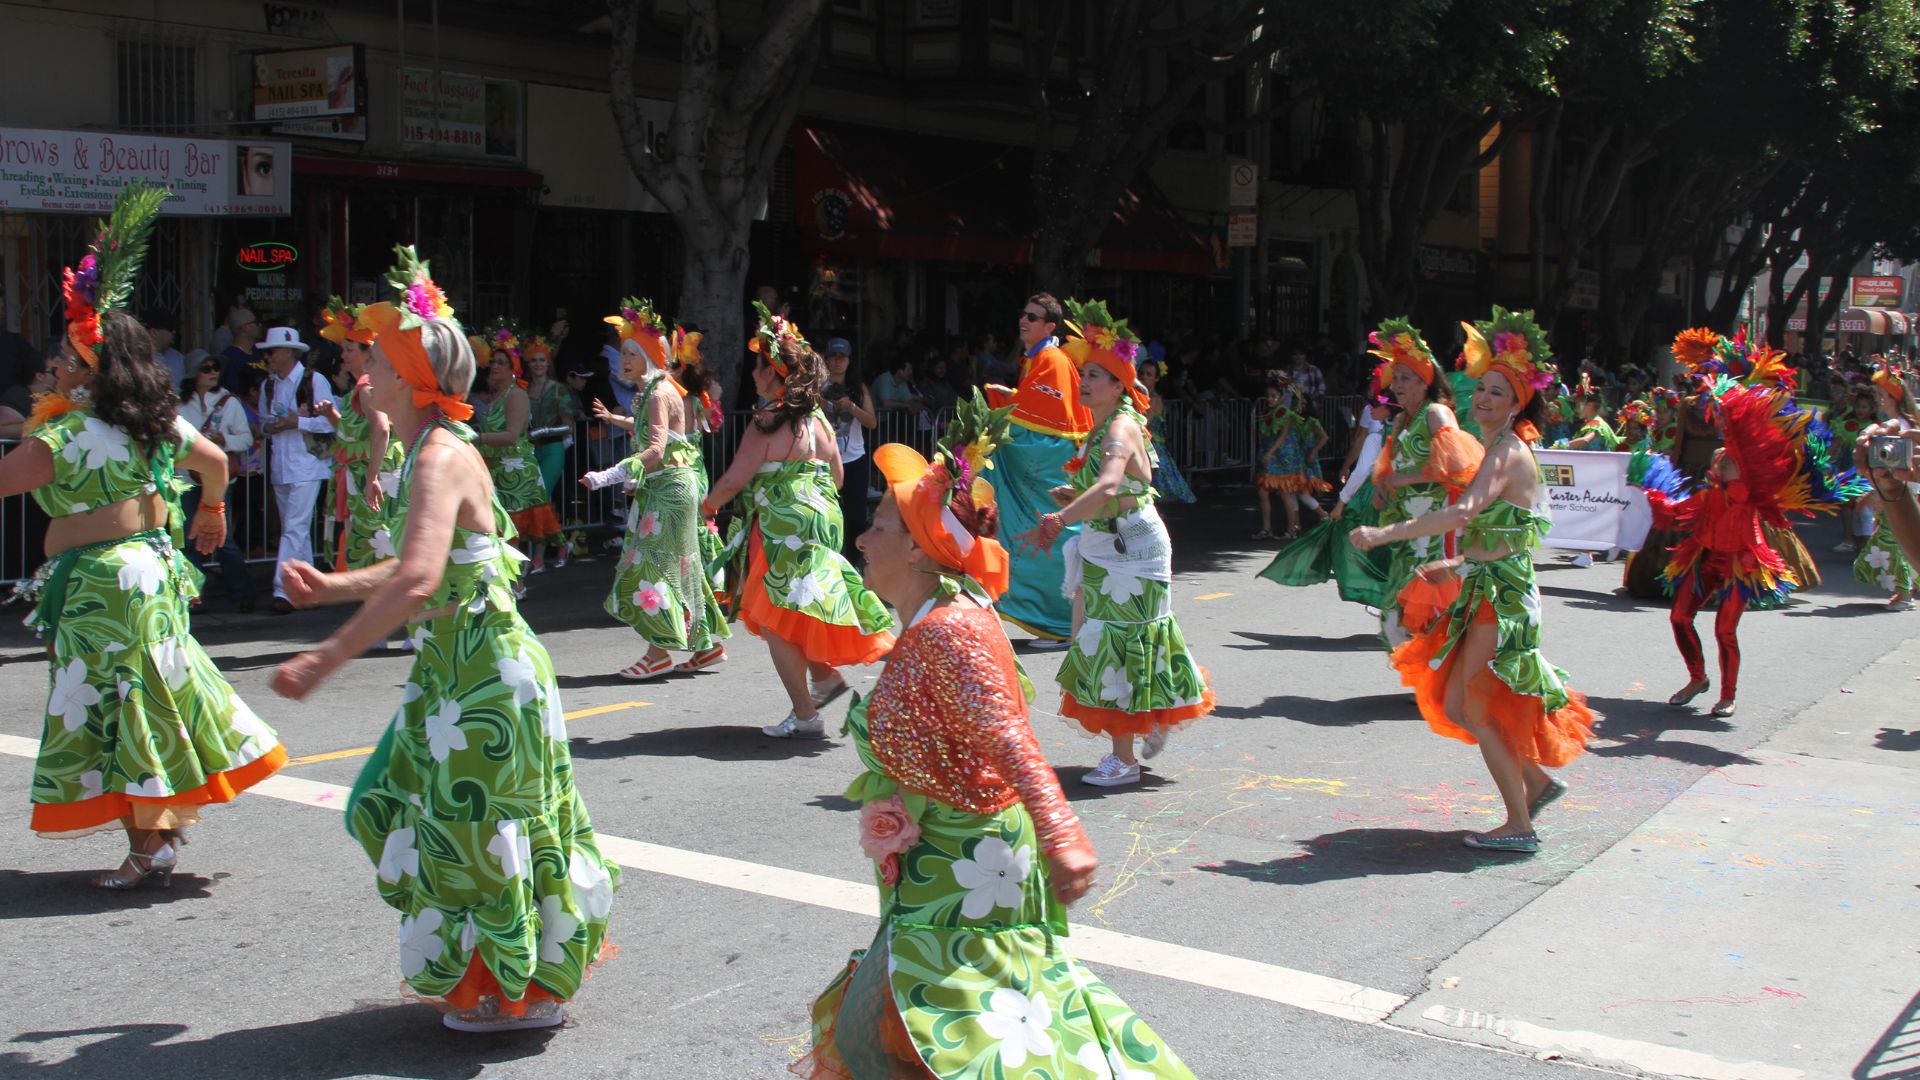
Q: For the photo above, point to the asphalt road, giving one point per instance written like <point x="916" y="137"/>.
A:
<point x="1306" y="832"/>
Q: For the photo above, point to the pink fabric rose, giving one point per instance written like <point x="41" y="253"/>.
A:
<point x="886" y="829"/>
<point x="890" y="870"/>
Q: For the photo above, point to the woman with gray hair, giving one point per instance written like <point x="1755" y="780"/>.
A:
<point x="467" y="806"/>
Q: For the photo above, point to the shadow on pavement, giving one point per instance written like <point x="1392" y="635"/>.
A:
<point x="836" y="803"/>
<point x="1359" y="853"/>
<point x="1587" y="598"/>
<point x="1348" y="712"/>
<point x="1307" y="643"/>
<point x="1897" y="1054"/>
<point x="380" y="1040"/>
<point x="1895" y="739"/>
<point x="715" y="742"/>
<point x="66" y="893"/>
<point x="1628" y="718"/>
<point x="1840" y="611"/>
<point x="1076" y="791"/>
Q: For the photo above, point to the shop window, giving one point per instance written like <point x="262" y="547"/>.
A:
<point x="159" y="86"/>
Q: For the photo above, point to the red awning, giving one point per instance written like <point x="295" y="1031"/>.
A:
<point x="861" y="191"/>
<point x="415" y="172"/>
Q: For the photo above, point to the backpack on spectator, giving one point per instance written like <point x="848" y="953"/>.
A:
<point x="318" y="444"/>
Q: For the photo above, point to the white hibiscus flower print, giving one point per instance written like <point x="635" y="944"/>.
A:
<point x="512" y="464"/>
<point x="650" y="597"/>
<point x="1019" y="1024"/>
<point x="246" y="721"/>
<point x="153" y="787"/>
<point x="170" y="656"/>
<point x="469" y="934"/>
<point x="410" y="693"/>
<point x="390" y="482"/>
<point x="443" y="731"/>
<point x="556" y="929"/>
<point x="420" y="636"/>
<point x="382" y="543"/>
<point x="1886" y="581"/>
<point x="99" y="442"/>
<point x="648" y="524"/>
<point x="556" y="719"/>
<point x="992" y="877"/>
<point x="805" y="592"/>
<point x="141" y="569"/>
<point x="71" y="696"/>
<point x="512" y="849"/>
<point x="420" y="941"/>
<point x="1089" y="636"/>
<point x="518" y="672"/>
<point x="478" y="548"/>
<point x="1879" y="558"/>
<point x="1120" y="586"/>
<point x="92" y="784"/>
<point x="793" y="542"/>
<point x="1094" y="1062"/>
<point x="1114" y="685"/>
<point x="592" y="885"/>
<point x="399" y="857"/>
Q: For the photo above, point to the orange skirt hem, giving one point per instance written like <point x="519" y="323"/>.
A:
<point x="1422" y="602"/>
<point x="536" y="522"/>
<point x="1522" y="722"/>
<point x="1098" y="721"/>
<point x="1292" y="484"/>
<point x="113" y="806"/>
<point x="819" y="642"/>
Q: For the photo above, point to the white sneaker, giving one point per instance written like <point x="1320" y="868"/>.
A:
<point x="1112" y="772"/>
<point x="1583" y="560"/>
<point x="1155" y="741"/>
<point x="795" y="728"/>
<point x="487" y="1017"/>
<point x="1844" y="545"/>
<point x="1041" y="644"/>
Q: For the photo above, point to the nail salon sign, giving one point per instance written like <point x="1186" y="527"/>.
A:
<point x="80" y="172"/>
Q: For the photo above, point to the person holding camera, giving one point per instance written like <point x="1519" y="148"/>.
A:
<point x="1880" y="561"/>
<point x="850" y="411"/>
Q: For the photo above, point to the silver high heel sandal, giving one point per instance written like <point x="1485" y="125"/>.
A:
<point x="139" y="867"/>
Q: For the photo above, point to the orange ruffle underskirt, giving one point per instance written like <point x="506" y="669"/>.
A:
<point x="821" y="643"/>
<point x="102" y="810"/>
<point x="1521" y="720"/>
<point x="1422" y="602"/>
<point x="824" y="1062"/>
<point x="1098" y="721"/>
<point x="536" y="522"/>
<point x="1292" y="484"/>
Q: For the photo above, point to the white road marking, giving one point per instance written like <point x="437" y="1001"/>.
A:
<point x="1305" y="990"/>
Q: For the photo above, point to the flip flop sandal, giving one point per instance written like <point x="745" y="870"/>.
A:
<point x="641" y="671"/>
<point x="833" y="693"/>
<point x="1555" y="788"/>
<point x="1523" y="844"/>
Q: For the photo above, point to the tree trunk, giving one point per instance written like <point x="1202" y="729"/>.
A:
<point x="713" y="274"/>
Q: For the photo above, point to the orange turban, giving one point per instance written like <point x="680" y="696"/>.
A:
<point x="408" y="354"/>
<point x="920" y="491"/>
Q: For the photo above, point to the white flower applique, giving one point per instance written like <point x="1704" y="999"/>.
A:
<point x="556" y="929"/>
<point x="592" y="885"/>
<point x="518" y="674"/>
<point x="805" y="592"/>
<point x="141" y="568"/>
<point x="71" y="696"/>
<point x="512" y="849"/>
<point x="993" y="877"/>
<point x="382" y="543"/>
<point x="444" y="735"/>
<point x="399" y="857"/>
<point x="420" y="941"/>
<point x="1115" y="686"/>
<point x="99" y="442"/>
<point x="1020" y="1024"/>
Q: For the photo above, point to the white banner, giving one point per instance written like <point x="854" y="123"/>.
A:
<point x="80" y="172"/>
<point x="1593" y="507"/>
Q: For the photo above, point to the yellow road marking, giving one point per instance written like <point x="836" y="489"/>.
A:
<point x="363" y="751"/>
<point x="1213" y="596"/>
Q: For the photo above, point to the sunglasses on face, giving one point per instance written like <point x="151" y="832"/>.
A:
<point x="1029" y="316"/>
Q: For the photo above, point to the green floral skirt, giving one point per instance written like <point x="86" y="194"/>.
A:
<point x="469" y="813"/>
<point x="368" y="536"/>
<point x="969" y="976"/>
<point x="1881" y="564"/>
<point x="661" y="587"/>
<point x="140" y="726"/>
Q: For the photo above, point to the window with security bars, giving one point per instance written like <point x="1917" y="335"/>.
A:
<point x="159" y="86"/>
<point x="62" y="240"/>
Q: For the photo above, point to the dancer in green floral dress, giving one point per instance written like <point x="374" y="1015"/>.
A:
<point x="363" y="435"/>
<point x="1127" y="672"/>
<point x="660" y="588"/>
<point x="977" y="852"/>
<point x="467" y="807"/>
<point x="790" y="583"/>
<point x="140" y="730"/>
<point x="502" y="439"/>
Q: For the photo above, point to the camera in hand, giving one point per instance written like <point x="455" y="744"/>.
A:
<point x="836" y="392"/>
<point x="1890" y="452"/>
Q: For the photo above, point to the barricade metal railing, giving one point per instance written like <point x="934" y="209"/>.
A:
<point x="1206" y="436"/>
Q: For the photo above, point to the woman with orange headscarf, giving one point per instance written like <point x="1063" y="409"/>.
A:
<point x="1881" y="563"/>
<point x="366" y="455"/>
<point x="977" y="852"/>
<point x="502" y="438"/>
<point x="1477" y="672"/>
<point x="793" y="588"/>
<point x="467" y="806"/>
<point x="1426" y="463"/>
<point x="1128" y="672"/>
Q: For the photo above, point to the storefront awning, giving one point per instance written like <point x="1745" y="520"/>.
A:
<point x="861" y="191"/>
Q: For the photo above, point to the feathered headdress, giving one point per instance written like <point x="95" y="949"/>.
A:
<point x="1101" y="339"/>
<point x="924" y="491"/>
<point x="343" y="322"/>
<point x="397" y="324"/>
<point x="1512" y="343"/>
<point x="420" y="297"/>
<point x="686" y="345"/>
<point x="536" y="345"/>
<point x="1890" y="378"/>
<point x="639" y="323"/>
<point x="1708" y="356"/>
<point x="772" y="332"/>
<point x="1636" y="412"/>
<point x="103" y="279"/>
<point x="1397" y="342"/>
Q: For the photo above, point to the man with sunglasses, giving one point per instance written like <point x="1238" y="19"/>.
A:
<point x="1048" y="422"/>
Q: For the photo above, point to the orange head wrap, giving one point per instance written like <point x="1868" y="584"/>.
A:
<point x="1889" y="379"/>
<point x="1106" y="343"/>
<point x="343" y="323"/>
<point x="1398" y="342"/>
<point x="408" y="355"/>
<point x="923" y="491"/>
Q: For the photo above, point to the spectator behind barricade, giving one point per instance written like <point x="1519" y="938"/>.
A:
<point x="220" y="417"/>
<point x="772" y="298"/>
<point x="16" y="400"/>
<point x="19" y="360"/>
<point x="849" y="407"/>
<point x="323" y="355"/>
<point x="1307" y="378"/>
<point x="894" y="389"/>
<point x="243" y="328"/>
<point x="223" y="334"/>
<point x="163" y="328"/>
<point x="993" y="363"/>
<point x="937" y="389"/>
<point x="296" y="461"/>
<point x="251" y="506"/>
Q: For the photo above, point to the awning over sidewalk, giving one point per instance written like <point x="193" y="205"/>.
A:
<point x="861" y="191"/>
